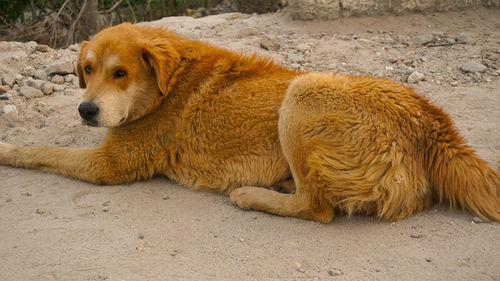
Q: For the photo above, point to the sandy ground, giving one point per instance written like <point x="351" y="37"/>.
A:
<point x="54" y="228"/>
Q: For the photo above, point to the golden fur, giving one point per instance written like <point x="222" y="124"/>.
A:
<point x="208" y="118"/>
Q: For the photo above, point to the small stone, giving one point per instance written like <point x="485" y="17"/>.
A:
<point x="415" y="77"/>
<point x="9" y="108"/>
<point x="105" y="209"/>
<point x="141" y="236"/>
<point x="42" y="48"/>
<point x="74" y="47"/>
<point x="454" y="83"/>
<point x="254" y="217"/>
<point x="294" y="57"/>
<point x="58" y="79"/>
<point x="302" y="47"/>
<point x="8" y="200"/>
<point x="335" y="272"/>
<point x="28" y="71"/>
<point x="59" y="88"/>
<point x="40" y="74"/>
<point x="41" y="211"/>
<point x="9" y="79"/>
<point x="476" y="220"/>
<point x="106" y="203"/>
<point x="140" y="249"/>
<point x="423" y="39"/>
<point x="3" y="90"/>
<point x="148" y="191"/>
<point x="62" y="67"/>
<point x="26" y="193"/>
<point x="473" y="67"/>
<point x="47" y="88"/>
<point x="165" y="197"/>
<point x="300" y="269"/>
<point x="242" y="239"/>
<point x="428" y="259"/>
<point x="269" y="44"/>
<point x="30" y="92"/>
<point x="247" y="32"/>
<point x="417" y="235"/>
<point x="174" y="253"/>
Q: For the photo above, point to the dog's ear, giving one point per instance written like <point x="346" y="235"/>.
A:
<point x="79" y="66"/>
<point x="163" y="58"/>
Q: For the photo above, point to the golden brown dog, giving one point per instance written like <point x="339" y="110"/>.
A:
<point x="209" y="118"/>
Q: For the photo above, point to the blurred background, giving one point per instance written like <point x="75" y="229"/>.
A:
<point x="59" y="23"/>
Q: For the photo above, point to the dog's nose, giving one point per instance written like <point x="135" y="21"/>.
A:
<point x="88" y="110"/>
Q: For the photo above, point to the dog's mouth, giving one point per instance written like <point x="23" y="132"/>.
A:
<point x="91" y="123"/>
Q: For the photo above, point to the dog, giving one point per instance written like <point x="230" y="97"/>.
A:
<point x="208" y="118"/>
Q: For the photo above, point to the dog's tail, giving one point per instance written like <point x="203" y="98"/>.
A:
<point x="458" y="175"/>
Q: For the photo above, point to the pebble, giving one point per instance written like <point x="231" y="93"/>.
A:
<point x="473" y="67"/>
<point x="242" y="239"/>
<point x="42" y="48"/>
<point x="58" y="79"/>
<point x="423" y="39"/>
<point x="165" y="197"/>
<point x="300" y="269"/>
<point x="40" y="74"/>
<point x="74" y="47"/>
<point x="41" y="211"/>
<point x="247" y="32"/>
<point x="415" y="77"/>
<point x="335" y="272"/>
<point x="26" y="193"/>
<point x="476" y="220"/>
<point x="105" y="209"/>
<point x="9" y="108"/>
<point x="302" y="47"/>
<point x="30" y="92"/>
<point x="3" y="90"/>
<point x="428" y="259"/>
<point x="294" y="57"/>
<point x="417" y="235"/>
<point x="141" y="236"/>
<point x="59" y="88"/>
<point x="62" y="66"/>
<point x="107" y="203"/>
<point x="269" y="44"/>
<point x="8" y="200"/>
<point x="9" y="79"/>
<point x="174" y="253"/>
<point x="28" y="71"/>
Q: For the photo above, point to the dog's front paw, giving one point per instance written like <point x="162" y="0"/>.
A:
<point x="243" y="197"/>
<point x="5" y="152"/>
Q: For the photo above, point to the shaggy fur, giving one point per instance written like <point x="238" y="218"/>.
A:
<point x="208" y="118"/>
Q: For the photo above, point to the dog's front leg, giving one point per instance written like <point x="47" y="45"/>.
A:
<point x="94" y="165"/>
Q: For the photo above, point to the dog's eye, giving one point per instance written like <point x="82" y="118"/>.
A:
<point x="120" y="73"/>
<point x="88" y="69"/>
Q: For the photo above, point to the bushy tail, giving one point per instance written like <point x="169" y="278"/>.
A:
<point x="459" y="176"/>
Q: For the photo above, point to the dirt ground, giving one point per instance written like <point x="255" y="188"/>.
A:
<point x="54" y="228"/>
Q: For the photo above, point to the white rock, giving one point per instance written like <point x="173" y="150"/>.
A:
<point x="9" y="79"/>
<point x="30" y="92"/>
<point x="9" y="108"/>
<point x="415" y="77"/>
<point x="62" y="66"/>
<point x="28" y="71"/>
<point x="69" y="78"/>
<point x="58" y="79"/>
<point x="302" y="47"/>
<point x="473" y="67"/>
<point x="40" y="74"/>
<point x="59" y="88"/>
<point x="269" y="43"/>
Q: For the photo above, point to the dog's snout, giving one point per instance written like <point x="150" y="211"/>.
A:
<point x="88" y="110"/>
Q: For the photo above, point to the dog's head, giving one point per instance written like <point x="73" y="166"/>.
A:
<point x="125" y="71"/>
